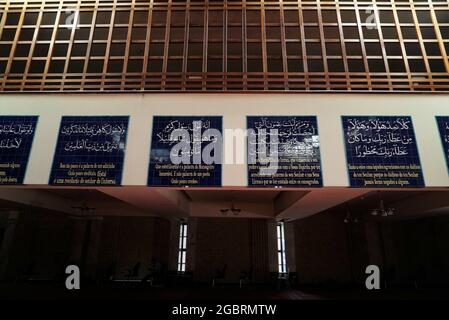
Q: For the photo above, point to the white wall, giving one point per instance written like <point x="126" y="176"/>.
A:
<point x="234" y="108"/>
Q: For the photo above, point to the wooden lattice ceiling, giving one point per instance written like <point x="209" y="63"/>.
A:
<point x="118" y="45"/>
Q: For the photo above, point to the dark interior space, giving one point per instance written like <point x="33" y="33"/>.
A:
<point x="326" y="255"/>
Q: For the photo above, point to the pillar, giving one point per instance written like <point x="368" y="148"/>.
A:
<point x="85" y="243"/>
<point x="290" y="246"/>
<point x="7" y="243"/>
<point x="90" y="262"/>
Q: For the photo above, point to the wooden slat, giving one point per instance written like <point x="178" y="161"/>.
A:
<point x="205" y="43"/>
<point x="343" y="50"/>
<point x="147" y="45"/>
<point x="108" y="46"/>
<point x="71" y="41"/>
<point x="128" y="44"/>
<point x="438" y="35"/>
<point x="323" y="45"/>
<point x="33" y="44"/>
<point x="200" y="80"/>
<point x="303" y="46"/>
<point x="16" y="39"/>
<point x="244" y="48"/>
<point x="402" y="44"/>
<point x="50" y="49"/>
<point x="167" y="44"/>
<point x="362" y="44"/>
<point x="89" y="44"/>
<point x="264" y="44"/>
<point x="420" y="38"/>
<point x="283" y="45"/>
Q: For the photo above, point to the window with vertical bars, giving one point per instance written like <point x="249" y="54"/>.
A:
<point x="182" y="252"/>
<point x="282" y="262"/>
<point x="172" y="45"/>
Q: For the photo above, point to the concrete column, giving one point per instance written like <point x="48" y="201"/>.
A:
<point x="174" y="245"/>
<point x="374" y="243"/>
<point x="290" y="246"/>
<point x="388" y="244"/>
<point x="259" y="249"/>
<point x="7" y="243"/>
<point x="76" y="243"/>
<point x="272" y="246"/>
<point x="86" y="237"/>
<point x="192" y="225"/>
<point x="94" y="226"/>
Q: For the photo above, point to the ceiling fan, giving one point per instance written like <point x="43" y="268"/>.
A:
<point x="83" y="208"/>
<point x="235" y="211"/>
<point x="382" y="211"/>
<point x="350" y="218"/>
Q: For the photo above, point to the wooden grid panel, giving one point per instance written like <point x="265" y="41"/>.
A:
<point x="144" y="45"/>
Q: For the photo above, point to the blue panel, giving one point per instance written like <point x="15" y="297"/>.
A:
<point x="381" y="151"/>
<point x="443" y="126"/>
<point x="298" y="151"/>
<point x="16" y="139"/>
<point x="90" y="151"/>
<point x="194" y="171"/>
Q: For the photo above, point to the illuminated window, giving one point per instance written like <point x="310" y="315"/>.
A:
<point x="282" y="262"/>
<point x="182" y="247"/>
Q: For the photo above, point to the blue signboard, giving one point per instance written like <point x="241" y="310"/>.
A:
<point x="16" y="139"/>
<point x="90" y="151"/>
<point x="283" y="151"/>
<point x="443" y="126"/>
<point x="186" y="151"/>
<point x="381" y="151"/>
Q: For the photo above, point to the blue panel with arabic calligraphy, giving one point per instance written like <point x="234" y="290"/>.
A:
<point x="186" y="151"/>
<point x="443" y="127"/>
<point x="381" y="151"/>
<point x="16" y="139"/>
<point x="90" y="151"/>
<point x="283" y="151"/>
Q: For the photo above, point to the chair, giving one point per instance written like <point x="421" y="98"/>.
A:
<point x="293" y="279"/>
<point x="108" y="273"/>
<point x="219" y="274"/>
<point x="133" y="272"/>
<point x="182" y="279"/>
<point x="245" y="276"/>
<point x="25" y="273"/>
<point x="419" y="276"/>
<point x="389" y="276"/>
<point x="155" y="272"/>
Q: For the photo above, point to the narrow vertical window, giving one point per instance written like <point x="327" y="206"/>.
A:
<point x="281" y="248"/>
<point x="182" y="247"/>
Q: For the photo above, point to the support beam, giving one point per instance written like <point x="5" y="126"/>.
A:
<point x="37" y="198"/>
<point x="166" y="203"/>
<point x="436" y="202"/>
<point x="7" y="243"/>
<point x="319" y="200"/>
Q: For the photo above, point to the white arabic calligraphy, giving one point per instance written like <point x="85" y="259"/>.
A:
<point x="165" y="136"/>
<point x="288" y="128"/>
<point x="377" y="137"/>
<point x="94" y="129"/>
<point x="17" y="129"/>
<point x="13" y="143"/>
<point x="86" y="144"/>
